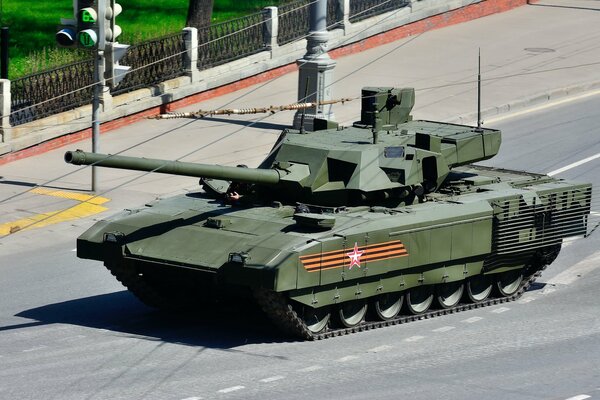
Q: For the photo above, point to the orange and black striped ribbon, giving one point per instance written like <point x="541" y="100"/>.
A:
<point x="339" y="258"/>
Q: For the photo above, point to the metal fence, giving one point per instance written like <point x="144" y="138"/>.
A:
<point x="155" y="61"/>
<point x="334" y="14"/>
<point x="293" y="21"/>
<point x="230" y="40"/>
<point x="152" y="62"/>
<point x="50" y="92"/>
<point x="362" y="9"/>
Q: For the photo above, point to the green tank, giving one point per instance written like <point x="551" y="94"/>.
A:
<point x="345" y="228"/>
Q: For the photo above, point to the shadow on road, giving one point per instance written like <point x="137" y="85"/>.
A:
<point x="226" y="326"/>
<point x="33" y="185"/>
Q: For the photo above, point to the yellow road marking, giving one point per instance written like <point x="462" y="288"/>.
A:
<point x="89" y="205"/>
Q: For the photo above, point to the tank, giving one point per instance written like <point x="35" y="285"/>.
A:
<point x="345" y="228"/>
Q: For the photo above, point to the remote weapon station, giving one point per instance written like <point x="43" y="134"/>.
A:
<point x="345" y="228"/>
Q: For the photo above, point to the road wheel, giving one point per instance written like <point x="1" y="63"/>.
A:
<point x="419" y="299"/>
<point x="449" y="294"/>
<point x="508" y="283"/>
<point x="352" y="313"/>
<point x="387" y="306"/>
<point x="479" y="288"/>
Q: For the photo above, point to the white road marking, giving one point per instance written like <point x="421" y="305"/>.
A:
<point x="74" y="250"/>
<point x="579" y="397"/>
<point x="71" y="338"/>
<point x="231" y="389"/>
<point x="548" y="290"/>
<point x="35" y="349"/>
<point x="543" y="106"/>
<point x="193" y="398"/>
<point x="569" y="241"/>
<point x="414" y="338"/>
<point x="595" y="213"/>
<point x="347" y="358"/>
<point x="571" y="274"/>
<point x="526" y="300"/>
<point x="573" y="165"/>
<point x="272" y="379"/>
<point x="500" y="310"/>
<point x="444" y="329"/>
<point x="471" y="320"/>
<point x="380" y="349"/>
<point x="311" y="368"/>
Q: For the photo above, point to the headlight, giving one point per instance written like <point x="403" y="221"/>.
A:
<point x="113" y="237"/>
<point x="239" y="258"/>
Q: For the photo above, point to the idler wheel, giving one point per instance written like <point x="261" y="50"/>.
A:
<point x="419" y="299"/>
<point x="387" y="306"/>
<point x="508" y="283"/>
<point x="316" y="319"/>
<point x="479" y="288"/>
<point x="352" y="313"/>
<point x="449" y="294"/>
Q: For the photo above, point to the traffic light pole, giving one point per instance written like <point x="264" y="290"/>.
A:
<point x="93" y="27"/>
<point x="98" y="87"/>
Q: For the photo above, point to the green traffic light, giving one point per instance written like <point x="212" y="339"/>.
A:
<point x="88" y="38"/>
<point x="88" y="16"/>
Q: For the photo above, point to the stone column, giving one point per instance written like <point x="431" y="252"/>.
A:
<point x="345" y="11"/>
<point x="271" y="28"/>
<point x="5" y="128"/>
<point x="315" y="70"/>
<point x="190" y="57"/>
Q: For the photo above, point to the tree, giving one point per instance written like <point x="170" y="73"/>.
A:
<point x="199" y="13"/>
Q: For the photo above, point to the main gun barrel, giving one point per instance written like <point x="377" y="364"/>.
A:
<point x="238" y="174"/>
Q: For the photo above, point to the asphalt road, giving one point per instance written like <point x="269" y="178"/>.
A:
<point x="68" y="330"/>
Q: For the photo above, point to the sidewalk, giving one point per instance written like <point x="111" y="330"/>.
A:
<point x="528" y="54"/>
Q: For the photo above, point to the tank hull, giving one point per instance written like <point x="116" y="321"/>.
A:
<point x="489" y="222"/>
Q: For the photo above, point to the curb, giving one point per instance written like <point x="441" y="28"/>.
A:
<point x="527" y="102"/>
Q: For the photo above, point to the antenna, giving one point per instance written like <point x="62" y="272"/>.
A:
<point x="304" y="109"/>
<point x="479" y="93"/>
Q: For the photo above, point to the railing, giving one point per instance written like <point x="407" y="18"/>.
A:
<point x="157" y="60"/>
<point x="152" y="62"/>
<point x="335" y="14"/>
<point x="230" y="40"/>
<point x="293" y="21"/>
<point x="52" y="92"/>
<point x="362" y="9"/>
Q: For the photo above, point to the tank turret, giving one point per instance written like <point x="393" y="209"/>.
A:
<point x="384" y="158"/>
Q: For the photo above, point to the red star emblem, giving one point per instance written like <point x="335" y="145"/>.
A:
<point x="355" y="256"/>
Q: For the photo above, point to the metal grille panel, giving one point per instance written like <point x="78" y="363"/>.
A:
<point x="362" y="9"/>
<point x="230" y="40"/>
<point x="153" y="62"/>
<point x="293" y="21"/>
<point x="50" y="92"/>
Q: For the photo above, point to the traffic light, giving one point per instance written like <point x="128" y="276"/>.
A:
<point x="94" y="27"/>
<point x="88" y="12"/>
<point x="107" y="27"/>
<point x="115" y="72"/>
<point x="82" y="29"/>
<point x="109" y="31"/>
<point x="67" y="34"/>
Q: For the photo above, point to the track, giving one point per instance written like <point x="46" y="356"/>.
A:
<point x="277" y="308"/>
